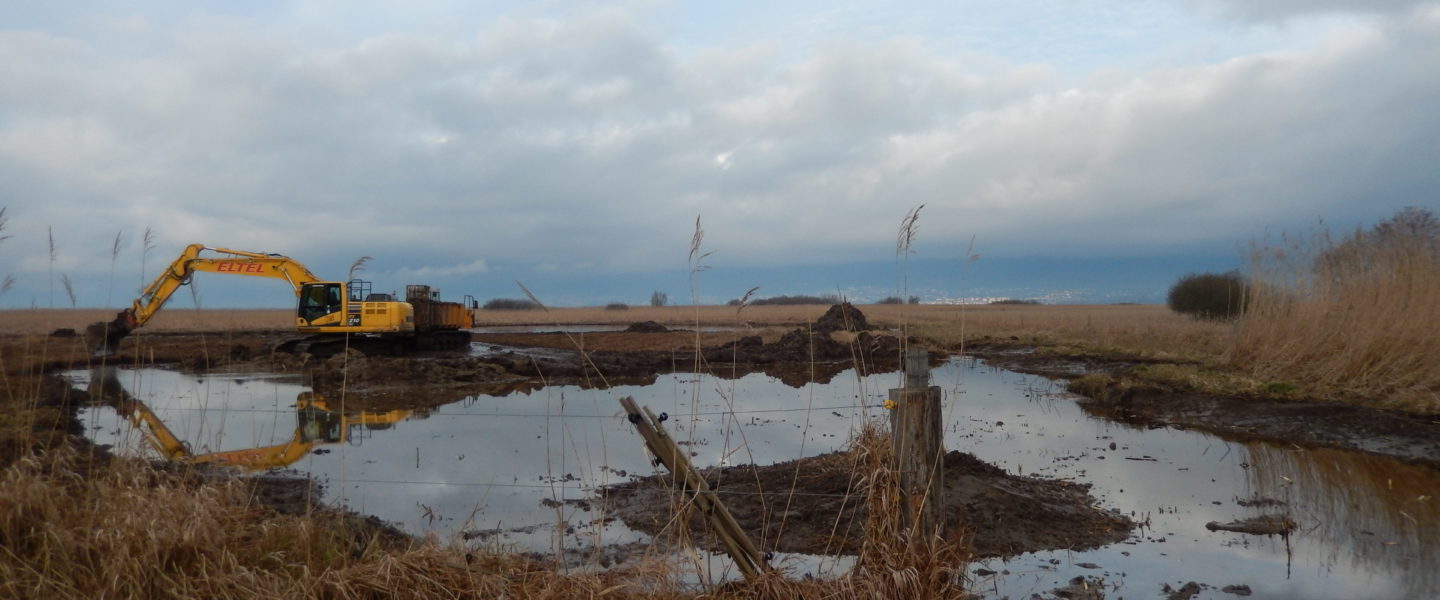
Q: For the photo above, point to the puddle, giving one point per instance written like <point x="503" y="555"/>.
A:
<point x="519" y="471"/>
<point x="482" y="349"/>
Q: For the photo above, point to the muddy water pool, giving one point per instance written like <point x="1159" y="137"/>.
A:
<point x="521" y="471"/>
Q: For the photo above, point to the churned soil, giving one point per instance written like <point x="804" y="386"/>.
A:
<point x="795" y="357"/>
<point x="813" y="505"/>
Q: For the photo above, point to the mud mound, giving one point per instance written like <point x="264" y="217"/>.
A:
<point x="800" y="347"/>
<point x="647" y="327"/>
<point x="1005" y="514"/>
<point x="841" y="317"/>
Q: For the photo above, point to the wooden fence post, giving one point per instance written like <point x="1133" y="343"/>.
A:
<point x="737" y="544"/>
<point x="916" y="435"/>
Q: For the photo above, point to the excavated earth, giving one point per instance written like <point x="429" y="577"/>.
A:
<point x="999" y="513"/>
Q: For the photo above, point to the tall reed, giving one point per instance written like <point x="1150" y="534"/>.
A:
<point x="1357" y="319"/>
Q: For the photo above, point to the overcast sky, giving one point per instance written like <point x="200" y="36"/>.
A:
<point x="472" y="144"/>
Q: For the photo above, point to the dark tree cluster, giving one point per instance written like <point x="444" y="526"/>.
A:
<point x="788" y="300"/>
<point x="509" y="304"/>
<point x="1210" y="295"/>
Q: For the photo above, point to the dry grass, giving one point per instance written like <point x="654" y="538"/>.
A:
<point x="903" y="561"/>
<point x="130" y="531"/>
<point x="1351" y="321"/>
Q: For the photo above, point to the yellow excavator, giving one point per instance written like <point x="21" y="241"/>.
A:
<point x="316" y="423"/>
<point x="333" y="314"/>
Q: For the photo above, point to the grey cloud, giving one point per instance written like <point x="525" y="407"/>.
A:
<point x="589" y="140"/>
<point x="1279" y="10"/>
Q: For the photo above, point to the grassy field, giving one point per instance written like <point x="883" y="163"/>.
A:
<point x="1136" y="328"/>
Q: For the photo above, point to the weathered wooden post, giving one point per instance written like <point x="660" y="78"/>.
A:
<point x="915" y="430"/>
<point x="742" y="550"/>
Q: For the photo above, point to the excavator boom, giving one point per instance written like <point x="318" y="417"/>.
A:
<point x="107" y="336"/>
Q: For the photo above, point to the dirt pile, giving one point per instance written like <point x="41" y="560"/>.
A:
<point x="841" y="317"/>
<point x="647" y="327"/>
<point x="1005" y="514"/>
<point x="800" y="347"/>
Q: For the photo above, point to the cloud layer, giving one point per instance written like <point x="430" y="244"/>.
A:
<point x="591" y="142"/>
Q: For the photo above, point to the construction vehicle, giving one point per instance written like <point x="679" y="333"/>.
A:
<point x="316" y="423"/>
<point x="335" y="315"/>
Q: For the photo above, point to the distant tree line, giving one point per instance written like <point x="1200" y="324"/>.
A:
<point x="899" y="300"/>
<point x="788" y="300"/>
<point x="510" y="304"/>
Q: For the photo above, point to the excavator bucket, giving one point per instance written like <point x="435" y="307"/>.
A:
<point x="104" y="337"/>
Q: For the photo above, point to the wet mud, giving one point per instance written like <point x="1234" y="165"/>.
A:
<point x="796" y="357"/>
<point x="1409" y="437"/>
<point x="812" y="506"/>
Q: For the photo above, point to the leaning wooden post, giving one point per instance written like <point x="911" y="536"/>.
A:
<point x="738" y="545"/>
<point x="915" y="430"/>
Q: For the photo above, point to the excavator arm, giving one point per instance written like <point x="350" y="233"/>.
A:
<point x="316" y="423"/>
<point x="163" y="441"/>
<point x="107" y="336"/>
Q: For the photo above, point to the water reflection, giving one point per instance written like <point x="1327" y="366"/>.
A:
<point x="1365" y="512"/>
<point x="316" y="423"/>
<point x="523" y="470"/>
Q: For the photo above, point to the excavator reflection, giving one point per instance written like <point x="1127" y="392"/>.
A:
<point x="317" y="423"/>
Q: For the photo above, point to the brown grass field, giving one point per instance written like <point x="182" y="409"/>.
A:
<point x="1145" y="329"/>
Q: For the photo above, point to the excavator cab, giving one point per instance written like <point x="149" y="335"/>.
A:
<point x="320" y="299"/>
<point x="317" y="425"/>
